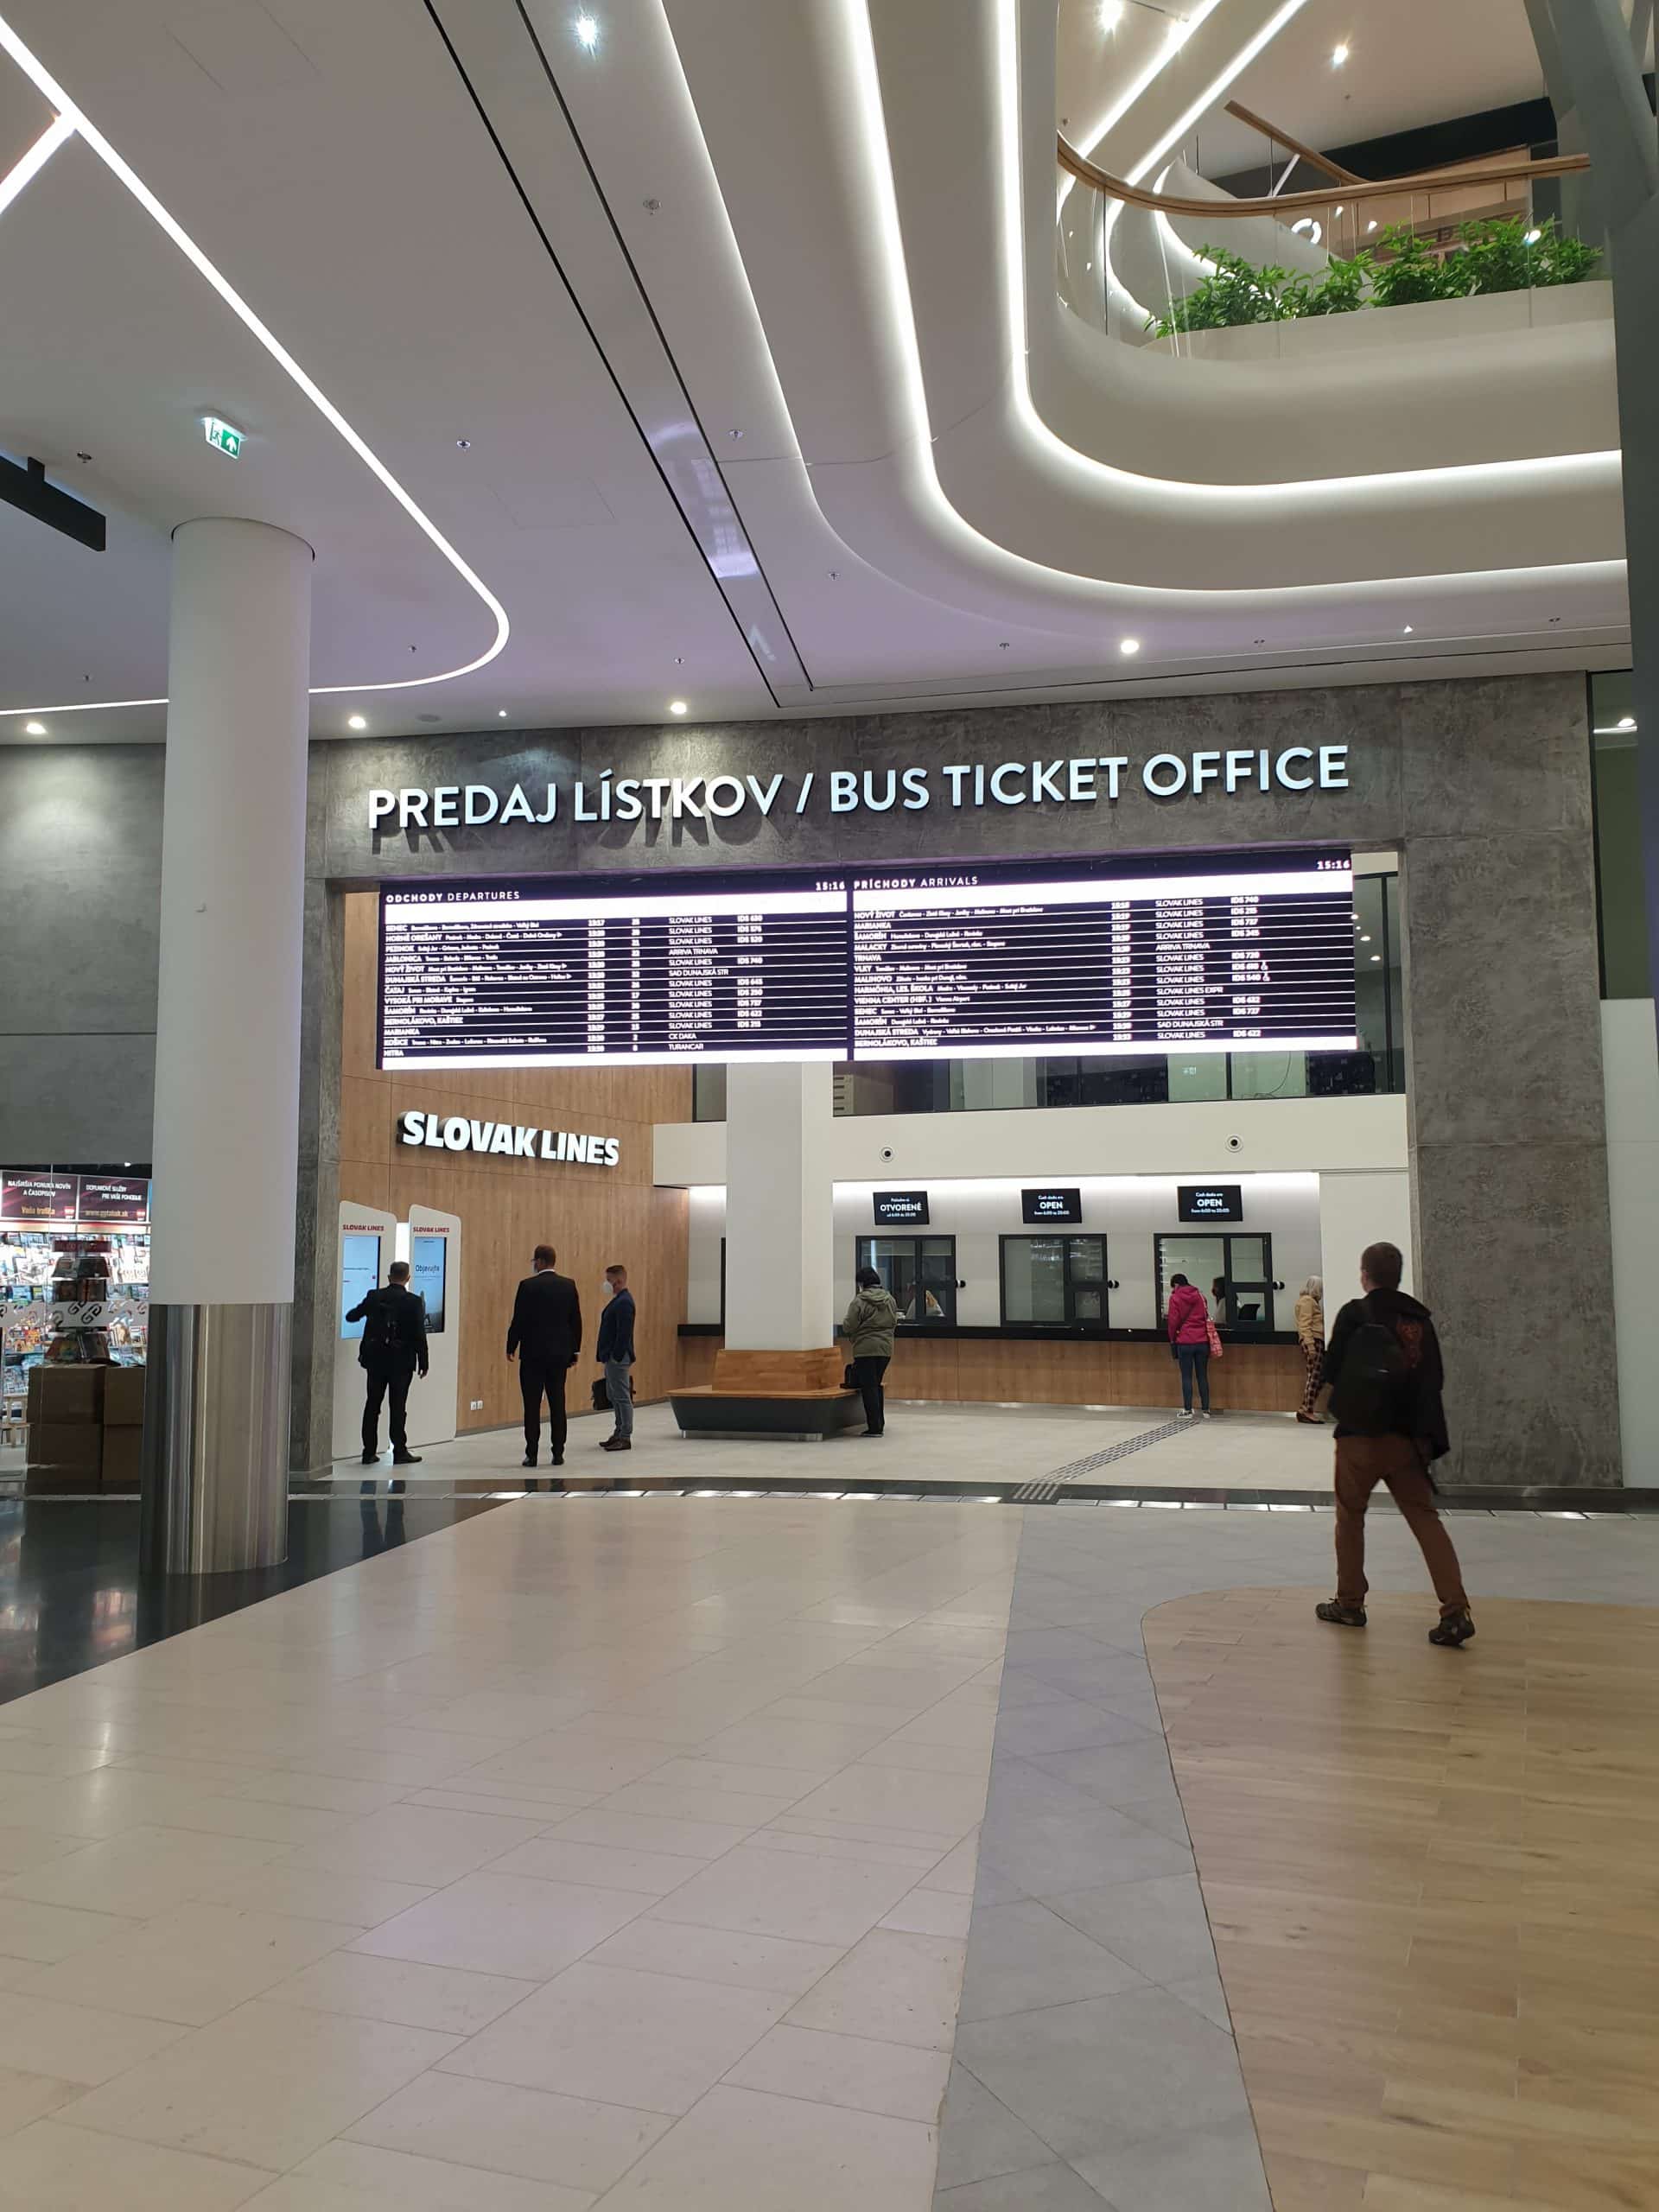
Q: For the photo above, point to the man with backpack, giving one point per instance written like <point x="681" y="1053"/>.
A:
<point x="392" y="1350"/>
<point x="1384" y="1364"/>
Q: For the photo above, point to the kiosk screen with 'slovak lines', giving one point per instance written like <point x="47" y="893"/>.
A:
<point x="947" y="962"/>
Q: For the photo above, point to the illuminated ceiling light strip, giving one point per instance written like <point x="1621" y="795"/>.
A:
<point x="1102" y="472"/>
<point x="31" y="164"/>
<point x="914" y="452"/>
<point x="71" y="117"/>
<point x="1166" y="52"/>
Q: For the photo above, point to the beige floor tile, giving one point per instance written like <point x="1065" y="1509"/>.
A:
<point x="80" y="2043"/>
<point x="815" y="1746"/>
<point x="740" y="2147"/>
<point x="26" y="2097"/>
<point x="319" y="1893"/>
<point x="917" y="1799"/>
<point x="442" y="1998"/>
<point x="932" y="1912"/>
<point x="767" y="1893"/>
<point x="50" y="2168"/>
<point x="828" y="1840"/>
<point x="850" y="2070"/>
<point x="191" y="1966"/>
<point x="360" y="2177"/>
<point x="543" y="1805"/>
<point x="625" y="2037"/>
<point x="738" y="1778"/>
<point x="556" y="1858"/>
<point x="22" y="1848"/>
<point x="45" y="1760"/>
<point x="956" y="1872"/>
<point x="143" y="1873"/>
<point x="891" y="1987"/>
<point x="268" y="2083"/>
<point x="685" y="1803"/>
<point x="330" y="1793"/>
<point x="419" y="1843"/>
<point x="575" y="2143"/>
<point x="44" y="1932"/>
<point x="570" y="1762"/>
<point x="645" y="1832"/>
<point x="511" y="1924"/>
<point x="973" y="1759"/>
<point x="718" y="1955"/>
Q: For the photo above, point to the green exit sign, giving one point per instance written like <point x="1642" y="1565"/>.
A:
<point x="225" y="435"/>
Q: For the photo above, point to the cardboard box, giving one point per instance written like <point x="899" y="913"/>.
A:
<point x="58" y="1395"/>
<point x="123" y="1397"/>
<point x="121" y="1459"/>
<point x="70" y="1447"/>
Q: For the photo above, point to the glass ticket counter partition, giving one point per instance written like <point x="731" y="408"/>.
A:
<point x="920" y="1271"/>
<point x="1058" y="1280"/>
<point x="1234" y="1272"/>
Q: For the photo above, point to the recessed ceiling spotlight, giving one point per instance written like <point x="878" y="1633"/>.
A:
<point x="1370" y="227"/>
<point x="1129" y="647"/>
<point x="500" y="713"/>
<point x="1258" y="641"/>
<point x="1178" y="32"/>
<point x="1406" y="633"/>
<point x="676" y="706"/>
<point x="38" y="729"/>
<point x="734" y="434"/>
<point x="1335" y="212"/>
<point x="834" y="575"/>
<point x="586" y="28"/>
<point x="463" y="445"/>
<point x="1003" y="645"/>
<point x="1111" y="14"/>
<point x="83" y="456"/>
<point x="1532" y="236"/>
<point x="679" y="660"/>
<point x="1338" y="55"/>
<point x="1376" y="958"/>
<point x="1625" y="722"/>
<point x="357" y="721"/>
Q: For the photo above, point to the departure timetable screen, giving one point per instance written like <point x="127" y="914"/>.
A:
<point x="958" y="963"/>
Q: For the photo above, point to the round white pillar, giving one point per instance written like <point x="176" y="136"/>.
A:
<point x="227" y="1048"/>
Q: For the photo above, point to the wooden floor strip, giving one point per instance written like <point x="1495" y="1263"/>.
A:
<point x="1433" y="1878"/>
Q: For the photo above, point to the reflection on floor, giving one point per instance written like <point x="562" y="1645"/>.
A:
<point x="1432" y="1885"/>
<point x="926" y="1442"/>
<point x="72" y="1596"/>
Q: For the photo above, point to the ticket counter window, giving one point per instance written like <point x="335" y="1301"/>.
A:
<point x="920" y="1271"/>
<point x="1057" y="1282"/>
<point x="1242" y="1266"/>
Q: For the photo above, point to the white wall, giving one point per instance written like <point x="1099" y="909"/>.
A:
<point x="1356" y="1211"/>
<point x="1631" y="1072"/>
<point x="1129" y="1209"/>
<point x="1047" y="1144"/>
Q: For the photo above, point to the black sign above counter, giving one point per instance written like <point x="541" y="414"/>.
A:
<point x="1208" y="1202"/>
<point x="900" y="1209"/>
<point x="1050" y="1206"/>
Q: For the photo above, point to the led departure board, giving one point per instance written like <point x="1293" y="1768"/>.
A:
<point x="976" y="961"/>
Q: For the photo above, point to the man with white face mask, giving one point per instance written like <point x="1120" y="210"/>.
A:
<point x="614" y="1352"/>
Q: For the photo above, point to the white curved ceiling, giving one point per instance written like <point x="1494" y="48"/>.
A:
<point x="733" y="315"/>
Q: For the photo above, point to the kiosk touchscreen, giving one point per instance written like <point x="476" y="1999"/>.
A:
<point x="430" y="1241"/>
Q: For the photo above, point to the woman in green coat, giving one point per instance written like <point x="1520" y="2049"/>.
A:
<point x="868" y="1326"/>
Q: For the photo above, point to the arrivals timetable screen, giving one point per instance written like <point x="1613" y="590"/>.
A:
<point x="977" y="961"/>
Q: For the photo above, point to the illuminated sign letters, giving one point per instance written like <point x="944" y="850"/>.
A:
<point x="514" y="1139"/>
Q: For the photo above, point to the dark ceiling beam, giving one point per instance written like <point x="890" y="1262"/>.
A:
<point x="27" y="489"/>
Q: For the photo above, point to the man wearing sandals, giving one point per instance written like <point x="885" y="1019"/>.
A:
<point x="1384" y="1364"/>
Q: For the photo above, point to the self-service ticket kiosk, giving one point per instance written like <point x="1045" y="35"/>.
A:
<point x="430" y="1241"/>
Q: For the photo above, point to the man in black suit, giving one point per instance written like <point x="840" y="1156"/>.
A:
<point x="392" y="1353"/>
<point x="546" y="1334"/>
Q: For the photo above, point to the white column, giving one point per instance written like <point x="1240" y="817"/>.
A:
<point x="227" y="1045"/>
<point x="779" y="1250"/>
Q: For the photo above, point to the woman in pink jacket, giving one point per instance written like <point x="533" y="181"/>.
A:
<point x="1188" y="1318"/>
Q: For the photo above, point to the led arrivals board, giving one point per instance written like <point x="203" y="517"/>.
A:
<point x="980" y="961"/>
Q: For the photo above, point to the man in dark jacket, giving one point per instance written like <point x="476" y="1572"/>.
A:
<point x="545" y="1333"/>
<point x="392" y="1352"/>
<point x="614" y="1352"/>
<point x="1383" y="1364"/>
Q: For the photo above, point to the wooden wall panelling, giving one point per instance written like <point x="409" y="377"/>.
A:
<point x="592" y="1216"/>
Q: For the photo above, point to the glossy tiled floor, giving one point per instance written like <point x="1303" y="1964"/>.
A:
<point x="592" y="1851"/>
<point x="927" y="1442"/>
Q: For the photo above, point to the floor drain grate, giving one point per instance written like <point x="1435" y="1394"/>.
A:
<point x="1037" y="1493"/>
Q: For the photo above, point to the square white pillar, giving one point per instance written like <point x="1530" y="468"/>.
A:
<point x="779" y="1251"/>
